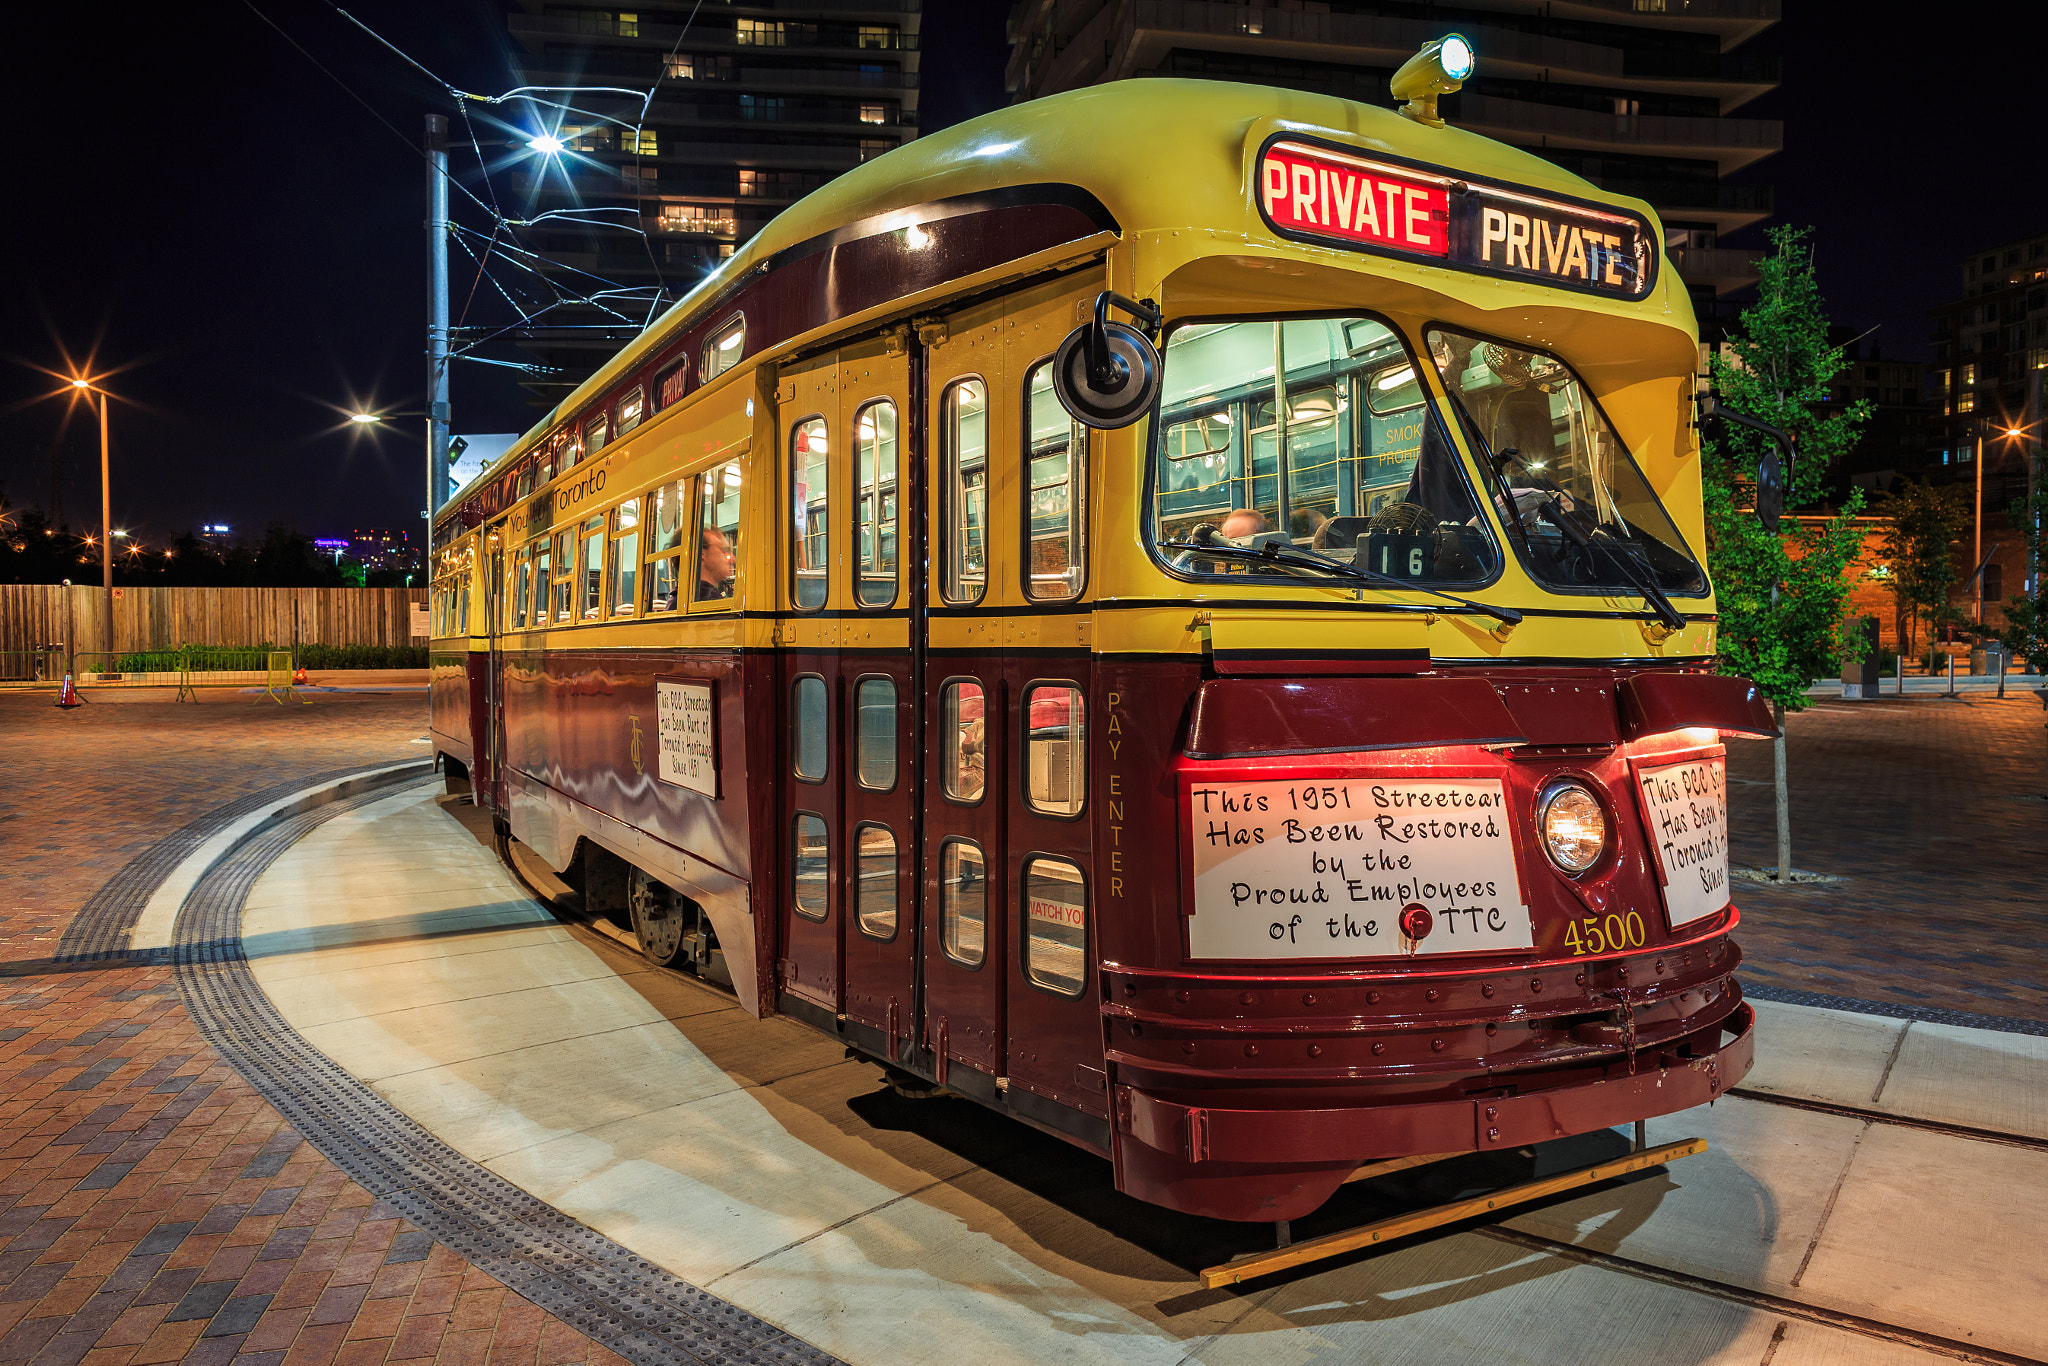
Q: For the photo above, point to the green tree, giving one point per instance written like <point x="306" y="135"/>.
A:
<point x="1780" y="594"/>
<point x="1923" y="522"/>
<point x="2026" y="618"/>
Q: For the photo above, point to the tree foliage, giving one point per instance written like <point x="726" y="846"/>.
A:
<point x="1923" y="522"/>
<point x="1779" y="365"/>
<point x="2026" y="618"/>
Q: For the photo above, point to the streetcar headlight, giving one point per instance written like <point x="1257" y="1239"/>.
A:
<point x="1573" y="825"/>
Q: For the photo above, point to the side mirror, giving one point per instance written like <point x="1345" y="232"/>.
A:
<point x="1772" y="472"/>
<point x="1106" y="374"/>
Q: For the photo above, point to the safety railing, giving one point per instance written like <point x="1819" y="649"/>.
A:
<point x="37" y="664"/>
<point x="187" y="668"/>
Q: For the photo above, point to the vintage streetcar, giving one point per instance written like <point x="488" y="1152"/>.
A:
<point x="1174" y="611"/>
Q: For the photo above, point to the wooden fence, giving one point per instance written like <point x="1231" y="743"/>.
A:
<point x="159" y="618"/>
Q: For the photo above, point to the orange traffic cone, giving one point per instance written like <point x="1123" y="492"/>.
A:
<point x="299" y="678"/>
<point x="68" y="695"/>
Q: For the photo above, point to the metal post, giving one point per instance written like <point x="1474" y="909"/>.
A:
<point x="1899" y="665"/>
<point x="437" y="314"/>
<point x="1951" y="673"/>
<point x="106" y="546"/>
<point x="1977" y="544"/>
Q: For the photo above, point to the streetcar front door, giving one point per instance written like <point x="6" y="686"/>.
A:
<point x="1008" y="863"/>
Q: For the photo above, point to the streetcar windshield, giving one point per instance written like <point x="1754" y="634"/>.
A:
<point x="1310" y="439"/>
<point x="1584" y="515"/>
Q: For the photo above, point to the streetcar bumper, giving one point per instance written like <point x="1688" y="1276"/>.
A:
<point x="1281" y="1163"/>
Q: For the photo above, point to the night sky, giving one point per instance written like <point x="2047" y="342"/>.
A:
<point x="193" y="201"/>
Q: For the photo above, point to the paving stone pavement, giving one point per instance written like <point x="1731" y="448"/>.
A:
<point x="153" y="1208"/>
<point x="1933" y="812"/>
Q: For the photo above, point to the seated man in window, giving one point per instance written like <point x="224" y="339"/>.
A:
<point x="714" y="565"/>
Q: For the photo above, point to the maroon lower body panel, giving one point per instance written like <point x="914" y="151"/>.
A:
<point x="1267" y="1164"/>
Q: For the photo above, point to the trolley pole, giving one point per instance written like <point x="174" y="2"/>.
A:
<point x="437" y="318"/>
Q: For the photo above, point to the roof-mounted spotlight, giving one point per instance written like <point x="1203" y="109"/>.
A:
<point x="1440" y="68"/>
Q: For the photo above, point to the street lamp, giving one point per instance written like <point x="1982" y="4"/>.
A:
<point x="84" y="386"/>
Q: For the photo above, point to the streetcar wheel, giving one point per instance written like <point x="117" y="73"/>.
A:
<point x="658" y="920"/>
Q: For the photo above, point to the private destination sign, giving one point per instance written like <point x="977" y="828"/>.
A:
<point x="1318" y="194"/>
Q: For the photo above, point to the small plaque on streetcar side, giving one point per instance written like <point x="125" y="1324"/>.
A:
<point x="1324" y="869"/>
<point x="686" y="729"/>
<point x="1685" y="806"/>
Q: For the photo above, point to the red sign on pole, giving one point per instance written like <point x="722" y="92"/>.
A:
<point x="1332" y="196"/>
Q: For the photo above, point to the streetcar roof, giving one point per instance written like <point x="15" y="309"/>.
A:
<point x="1157" y="153"/>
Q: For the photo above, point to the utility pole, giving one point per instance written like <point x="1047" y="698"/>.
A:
<point x="1977" y="545"/>
<point x="106" y="548"/>
<point x="437" y="319"/>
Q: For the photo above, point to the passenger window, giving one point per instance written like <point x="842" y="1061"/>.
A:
<point x="572" y="449"/>
<point x="632" y="408"/>
<point x="565" y="575"/>
<point x="963" y="902"/>
<point x="874" y="703"/>
<point x="963" y="738"/>
<point x="625" y="557"/>
<point x="541" y="585"/>
<point x="724" y="349"/>
<point x="875" y="451"/>
<point x="594" y="435"/>
<point x="522" y="592"/>
<point x="1055" y="510"/>
<point x="965" y="423"/>
<point x="1055" y="748"/>
<point x="875" y="891"/>
<point x="810" y="862"/>
<point x="593" y="568"/>
<point x="664" y="545"/>
<point x="807" y="728"/>
<point x="811" y="547"/>
<point x="1055" y="925"/>
<point x="718" y="535"/>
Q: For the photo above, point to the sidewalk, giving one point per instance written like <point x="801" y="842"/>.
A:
<point x="154" y="1208"/>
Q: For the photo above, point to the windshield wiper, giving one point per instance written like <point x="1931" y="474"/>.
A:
<point x="1273" y="553"/>
<point x="1619" y="553"/>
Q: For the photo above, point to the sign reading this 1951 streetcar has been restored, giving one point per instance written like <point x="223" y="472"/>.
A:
<point x="1320" y="194"/>
<point x="1324" y="869"/>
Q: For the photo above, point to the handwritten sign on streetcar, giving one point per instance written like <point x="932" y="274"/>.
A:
<point x="1686" y="807"/>
<point x="686" y="730"/>
<point x="1323" y="870"/>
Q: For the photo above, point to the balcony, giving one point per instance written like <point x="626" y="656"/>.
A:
<point x="1729" y="143"/>
<point x="1724" y="207"/>
<point x="1726" y="269"/>
<point x="1732" y="21"/>
<point x="535" y="30"/>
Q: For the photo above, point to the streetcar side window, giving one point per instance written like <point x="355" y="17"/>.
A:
<point x="874" y="846"/>
<point x="874" y="707"/>
<point x="875" y="503"/>
<point x="723" y="350"/>
<point x="963" y="902"/>
<point x="632" y="409"/>
<point x="664" y="546"/>
<point x="1055" y="748"/>
<point x="625" y="553"/>
<point x="522" y="591"/>
<point x="718" y="538"/>
<point x="807" y="728"/>
<point x="565" y="575"/>
<point x="963" y="731"/>
<point x="594" y="435"/>
<point x="571" y="449"/>
<point x="810" y="860"/>
<point x="593" y="568"/>
<point x="810" y="548"/>
<point x="1055" y="494"/>
<point x="1055" y="925"/>
<point x="965" y="425"/>
<point x="541" y="586"/>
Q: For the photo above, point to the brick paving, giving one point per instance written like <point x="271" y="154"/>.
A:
<point x="153" y="1208"/>
<point x="1933" y="812"/>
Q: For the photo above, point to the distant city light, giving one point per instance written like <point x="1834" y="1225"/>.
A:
<point x="547" y="144"/>
<point x="331" y="545"/>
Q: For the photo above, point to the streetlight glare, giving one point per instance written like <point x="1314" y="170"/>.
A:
<point x="81" y="384"/>
<point x="364" y="417"/>
<point x="547" y="144"/>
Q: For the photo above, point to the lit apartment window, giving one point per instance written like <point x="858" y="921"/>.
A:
<point x="597" y="139"/>
<point x="1967" y="403"/>
<point x="884" y="36"/>
<point x="644" y="143"/>
<point x="752" y="182"/>
<point x="694" y="218"/>
<point x="680" y="66"/>
<point x="874" y="113"/>
<point x="762" y="106"/>
<point x="870" y="148"/>
<point x="1969" y="375"/>
<point x="758" y="33"/>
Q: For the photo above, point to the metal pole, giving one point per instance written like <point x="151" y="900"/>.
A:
<point x="1977" y="544"/>
<point x="437" y="315"/>
<point x="106" y="545"/>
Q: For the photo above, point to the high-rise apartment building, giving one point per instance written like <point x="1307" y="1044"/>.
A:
<point x="1990" y="357"/>
<point x="1638" y="96"/>
<point x="756" y="103"/>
